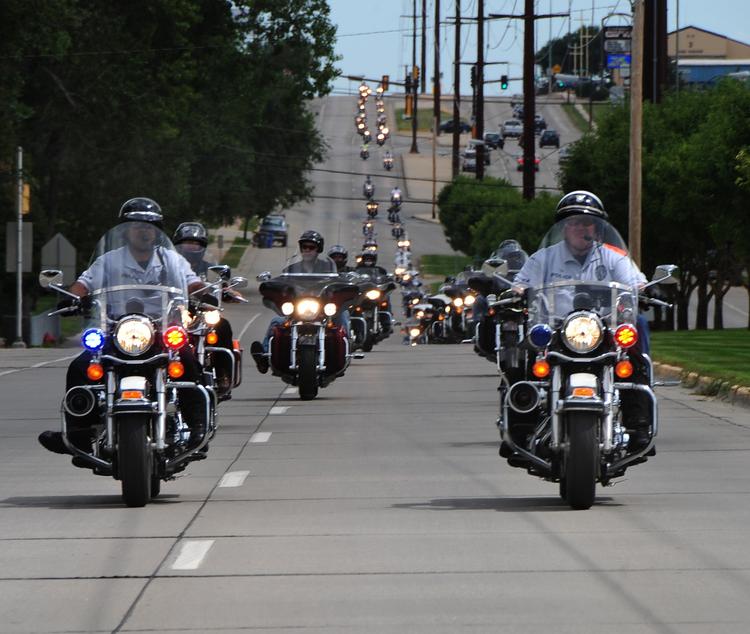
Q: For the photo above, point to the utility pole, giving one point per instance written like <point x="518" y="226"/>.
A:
<point x="19" y="343"/>
<point x="479" y="123"/>
<point x="636" y="122"/>
<point x="456" y="89"/>
<point x="414" y="149"/>
<point x="435" y="103"/>
<point x="423" y="70"/>
<point x="528" y="91"/>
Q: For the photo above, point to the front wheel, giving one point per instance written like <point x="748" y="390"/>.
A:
<point x="134" y="459"/>
<point x="581" y="462"/>
<point x="308" y="373"/>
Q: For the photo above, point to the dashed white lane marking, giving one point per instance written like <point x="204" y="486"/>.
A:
<point x="192" y="554"/>
<point x="291" y="391"/>
<point x="247" y="325"/>
<point x="278" y="409"/>
<point x="234" y="478"/>
<point x="39" y="365"/>
<point x="260" y="436"/>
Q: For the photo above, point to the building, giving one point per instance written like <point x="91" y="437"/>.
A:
<point x="704" y="56"/>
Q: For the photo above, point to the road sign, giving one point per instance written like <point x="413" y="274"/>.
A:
<point x="617" y="61"/>
<point x="556" y="69"/>
<point x="618" y="32"/>
<point x="617" y="46"/>
<point x="59" y="254"/>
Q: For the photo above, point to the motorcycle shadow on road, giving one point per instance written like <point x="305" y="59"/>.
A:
<point x="65" y="502"/>
<point x="500" y="504"/>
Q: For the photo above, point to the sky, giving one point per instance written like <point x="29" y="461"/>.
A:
<point x="374" y="36"/>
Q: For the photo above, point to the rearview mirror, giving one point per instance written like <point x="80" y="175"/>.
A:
<point x="50" y="277"/>
<point x="218" y="272"/>
<point x="238" y="282"/>
<point x="666" y="274"/>
<point x="264" y="276"/>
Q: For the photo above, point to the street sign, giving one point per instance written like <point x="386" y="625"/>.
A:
<point x="618" y="32"/>
<point x="556" y="69"/>
<point x="617" y="61"/>
<point x="617" y="46"/>
<point x="59" y="254"/>
<point x="11" y="240"/>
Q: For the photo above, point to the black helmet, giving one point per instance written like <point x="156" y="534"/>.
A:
<point x="512" y="252"/>
<point x="141" y="210"/>
<point x="312" y="236"/>
<point x="191" y="231"/>
<point x="337" y="249"/>
<point x="580" y="202"/>
<point x="369" y="256"/>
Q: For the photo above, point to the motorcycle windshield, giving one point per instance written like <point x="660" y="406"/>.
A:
<point x="309" y="264"/>
<point x="136" y="269"/>
<point x="582" y="264"/>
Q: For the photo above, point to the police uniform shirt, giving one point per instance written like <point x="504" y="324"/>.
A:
<point x="119" y="267"/>
<point x="603" y="263"/>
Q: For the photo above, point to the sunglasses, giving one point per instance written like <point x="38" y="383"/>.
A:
<point x="308" y="247"/>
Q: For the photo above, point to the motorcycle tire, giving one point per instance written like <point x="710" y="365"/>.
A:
<point x="581" y="462"/>
<point x="155" y="486"/>
<point x="308" y="373"/>
<point x="368" y="343"/>
<point x="134" y="459"/>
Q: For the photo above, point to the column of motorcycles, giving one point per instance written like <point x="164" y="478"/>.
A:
<point x="360" y="121"/>
<point x="138" y="339"/>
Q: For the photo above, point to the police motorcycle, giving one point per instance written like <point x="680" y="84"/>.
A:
<point x="371" y="316"/>
<point x="309" y="347"/>
<point x="137" y="344"/>
<point x="564" y="389"/>
<point x="205" y="312"/>
<point x="459" y="321"/>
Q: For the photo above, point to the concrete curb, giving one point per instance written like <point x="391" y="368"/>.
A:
<point x="722" y="390"/>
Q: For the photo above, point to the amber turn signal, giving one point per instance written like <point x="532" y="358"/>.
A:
<point x="624" y="369"/>
<point x="175" y="369"/>
<point x="212" y="338"/>
<point x="95" y="371"/>
<point x="540" y="369"/>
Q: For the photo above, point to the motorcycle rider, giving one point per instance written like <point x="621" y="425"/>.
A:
<point x="191" y="241"/>
<point x="144" y="260"/>
<point x="368" y="189"/>
<point x="396" y="195"/>
<point x="582" y="255"/>
<point x="311" y="244"/>
<point x="340" y="256"/>
<point x="387" y="159"/>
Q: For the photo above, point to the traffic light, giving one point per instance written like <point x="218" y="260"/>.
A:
<point x="384" y="82"/>
<point x="504" y="82"/>
<point x="473" y="76"/>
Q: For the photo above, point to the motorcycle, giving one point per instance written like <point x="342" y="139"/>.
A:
<point x="364" y="154"/>
<point x="393" y="216"/>
<point x="388" y="163"/>
<point x="372" y="209"/>
<point x="368" y="190"/>
<point x="310" y="348"/>
<point x="368" y="229"/>
<point x="136" y="340"/>
<point x="567" y="387"/>
<point x="372" y="319"/>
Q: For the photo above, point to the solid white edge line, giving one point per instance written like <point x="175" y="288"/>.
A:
<point x="192" y="554"/>
<point x="39" y="365"/>
<point x="260" y="436"/>
<point x="278" y="409"/>
<point x="233" y="478"/>
<point x="246" y="326"/>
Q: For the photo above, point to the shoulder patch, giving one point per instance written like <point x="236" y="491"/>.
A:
<point x="617" y="250"/>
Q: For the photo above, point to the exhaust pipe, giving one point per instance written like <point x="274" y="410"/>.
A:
<point x="79" y="401"/>
<point x="523" y="397"/>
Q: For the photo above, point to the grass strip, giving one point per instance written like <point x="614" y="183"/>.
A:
<point x="443" y="264"/>
<point x="425" y="119"/>
<point x="234" y="253"/>
<point x="719" y="354"/>
<point x="578" y="120"/>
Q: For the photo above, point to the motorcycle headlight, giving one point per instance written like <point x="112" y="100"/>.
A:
<point x="212" y="317"/>
<point x="287" y="308"/>
<point x="372" y="294"/>
<point x="415" y="332"/>
<point x="308" y="308"/>
<point x="330" y="309"/>
<point x="469" y="300"/>
<point x="582" y="332"/>
<point x="134" y="335"/>
<point x="458" y="302"/>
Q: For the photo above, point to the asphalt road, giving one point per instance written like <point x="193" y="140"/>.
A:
<point x="382" y="506"/>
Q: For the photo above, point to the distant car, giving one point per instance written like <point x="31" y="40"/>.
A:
<point x="447" y="126"/>
<point x="472" y="147"/>
<point x="494" y="140"/>
<point x="563" y="156"/>
<point x="549" y="137"/>
<point x="469" y="164"/>
<point x="519" y="161"/>
<point x="276" y="225"/>
<point x="539" y="123"/>
<point x="518" y="111"/>
<point x="512" y="128"/>
<point x="516" y="99"/>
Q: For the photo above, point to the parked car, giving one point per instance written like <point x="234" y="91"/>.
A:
<point x="276" y="226"/>
<point x="519" y="161"/>
<point x="549" y="137"/>
<point x="494" y="140"/>
<point x="447" y="126"/>
<point x="512" y="128"/>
